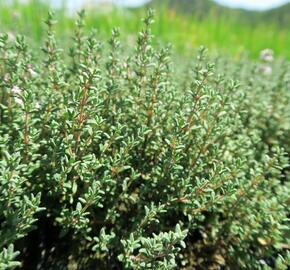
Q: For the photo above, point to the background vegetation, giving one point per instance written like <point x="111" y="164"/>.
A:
<point x="185" y="24"/>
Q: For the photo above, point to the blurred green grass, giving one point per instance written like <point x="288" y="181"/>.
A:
<point x="225" y="34"/>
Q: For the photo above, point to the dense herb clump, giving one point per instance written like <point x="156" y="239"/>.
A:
<point x="113" y="162"/>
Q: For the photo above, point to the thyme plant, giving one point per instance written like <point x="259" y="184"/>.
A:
<point x="111" y="160"/>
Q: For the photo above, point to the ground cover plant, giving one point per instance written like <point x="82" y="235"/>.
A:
<point x="119" y="159"/>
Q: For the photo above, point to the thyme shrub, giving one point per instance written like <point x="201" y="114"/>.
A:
<point x="109" y="160"/>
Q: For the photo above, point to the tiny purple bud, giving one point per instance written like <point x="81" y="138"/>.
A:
<point x="267" y="55"/>
<point x="18" y="101"/>
<point x="16" y="90"/>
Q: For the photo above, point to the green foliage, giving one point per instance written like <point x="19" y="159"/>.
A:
<point x="204" y="8"/>
<point x="7" y="256"/>
<point x="184" y="23"/>
<point x="118" y="159"/>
